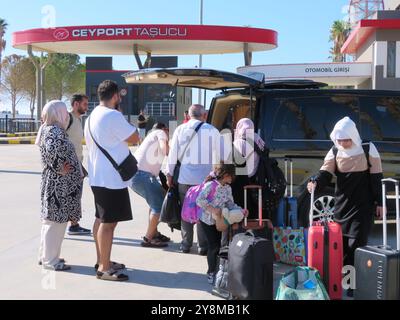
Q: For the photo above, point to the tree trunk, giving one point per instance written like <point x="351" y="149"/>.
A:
<point x="14" y="104"/>
<point x="32" y="106"/>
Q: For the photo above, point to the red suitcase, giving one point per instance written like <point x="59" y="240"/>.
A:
<point x="325" y="253"/>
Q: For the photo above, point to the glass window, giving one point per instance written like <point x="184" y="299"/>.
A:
<point x="159" y="93"/>
<point x="311" y="118"/>
<point x="391" y="59"/>
<point x="380" y="118"/>
<point x="93" y="93"/>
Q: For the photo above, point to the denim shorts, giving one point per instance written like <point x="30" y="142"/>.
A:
<point x="147" y="186"/>
<point x="142" y="133"/>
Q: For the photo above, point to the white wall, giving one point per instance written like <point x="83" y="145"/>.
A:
<point x="380" y="55"/>
<point x="391" y="4"/>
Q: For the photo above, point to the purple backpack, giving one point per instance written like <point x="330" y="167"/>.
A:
<point x="191" y="212"/>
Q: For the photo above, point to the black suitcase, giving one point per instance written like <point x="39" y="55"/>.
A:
<point x="250" y="259"/>
<point x="378" y="267"/>
<point x="250" y="267"/>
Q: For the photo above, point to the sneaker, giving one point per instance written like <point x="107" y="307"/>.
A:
<point x="78" y="230"/>
<point x="184" y="250"/>
<point x="210" y="278"/>
<point x="202" y="252"/>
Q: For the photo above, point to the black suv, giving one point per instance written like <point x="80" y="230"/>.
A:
<point x="295" y="118"/>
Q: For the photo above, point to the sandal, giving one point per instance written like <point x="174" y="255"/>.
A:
<point x="111" y="275"/>
<point x="60" y="266"/>
<point x="114" y="265"/>
<point x="153" y="243"/>
<point x="161" y="237"/>
<point x="62" y="260"/>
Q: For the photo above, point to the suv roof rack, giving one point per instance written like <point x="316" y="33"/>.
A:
<point x="293" y="84"/>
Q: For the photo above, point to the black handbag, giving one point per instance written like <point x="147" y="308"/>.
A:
<point x="171" y="209"/>
<point x="127" y="169"/>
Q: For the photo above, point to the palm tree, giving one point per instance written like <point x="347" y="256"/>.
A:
<point x="3" y="28"/>
<point x="339" y="32"/>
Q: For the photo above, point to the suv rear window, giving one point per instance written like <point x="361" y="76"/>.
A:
<point x="380" y="118"/>
<point x="311" y="118"/>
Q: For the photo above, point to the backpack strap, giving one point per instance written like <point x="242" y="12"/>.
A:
<point x="213" y="190"/>
<point x="366" y="147"/>
<point x="71" y="120"/>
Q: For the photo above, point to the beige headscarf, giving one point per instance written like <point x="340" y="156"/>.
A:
<point x="54" y="113"/>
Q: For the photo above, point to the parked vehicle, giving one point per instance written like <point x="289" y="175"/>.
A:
<point x="295" y="118"/>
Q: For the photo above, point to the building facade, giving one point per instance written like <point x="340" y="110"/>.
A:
<point x="375" y="47"/>
<point x="159" y="102"/>
<point x="392" y="4"/>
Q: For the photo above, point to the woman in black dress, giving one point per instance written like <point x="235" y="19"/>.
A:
<point x="358" y="169"/>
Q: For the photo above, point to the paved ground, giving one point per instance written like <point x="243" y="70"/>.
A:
<point x="154" y="273"/>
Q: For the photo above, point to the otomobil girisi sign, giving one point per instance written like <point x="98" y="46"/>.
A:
<point x="312" y="70"/>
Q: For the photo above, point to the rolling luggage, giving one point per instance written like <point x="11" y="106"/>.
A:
<point x="250" y="262"/>
<point x="289" y="240"/>
<point x="260" y="227"/>
<point x="325" y="252"/>
<point x="378" y="267"/>
<point x="286" y="215"/>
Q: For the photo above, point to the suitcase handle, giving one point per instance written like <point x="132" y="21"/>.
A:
<point x="250" y="187"/>
<point x="291" y="176"/>
<point x="253" y="186"/>
<point x="311" y="212"/>
<point x="384" y="208"/>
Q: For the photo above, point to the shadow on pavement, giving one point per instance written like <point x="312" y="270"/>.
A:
<point x="121" y="242"/>
<point x="172" y="246"/>
<point x="20" y="172"/>
<point x="179" y="280"/>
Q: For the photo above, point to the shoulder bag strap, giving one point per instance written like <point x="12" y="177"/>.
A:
<point x="115" y="165"/>
<point x="366" y="147"/>
<point x="190" y="141"/>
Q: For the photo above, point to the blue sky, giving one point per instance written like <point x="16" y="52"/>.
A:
<point x="302" y="25"/>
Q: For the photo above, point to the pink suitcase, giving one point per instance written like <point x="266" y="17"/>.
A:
<point x="325" y="253"/>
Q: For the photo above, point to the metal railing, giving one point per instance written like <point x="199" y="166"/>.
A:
<point x="160" y="109"/>
<point x="13" y="125"/>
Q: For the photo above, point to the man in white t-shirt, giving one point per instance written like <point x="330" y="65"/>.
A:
<point x="150" y="156"/>
<point x="198" y="157"/>
<point x="108" y="127"/>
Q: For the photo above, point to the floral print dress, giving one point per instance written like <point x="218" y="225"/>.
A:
<point x="60" y="195"/>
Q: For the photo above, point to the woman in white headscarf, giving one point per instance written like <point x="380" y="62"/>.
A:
<point x="61" y="184"/>
<point x="245" y="146"/>
<point x="358" y="169"/>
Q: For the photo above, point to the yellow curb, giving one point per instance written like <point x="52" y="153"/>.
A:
<point x="19" y="135"/>
<point x="17" y="141"/>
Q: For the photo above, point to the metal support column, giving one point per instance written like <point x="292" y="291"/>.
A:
<point x="147" y="63"/>
<point x="248" y="55"/>
<point x="40" y="69"/>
